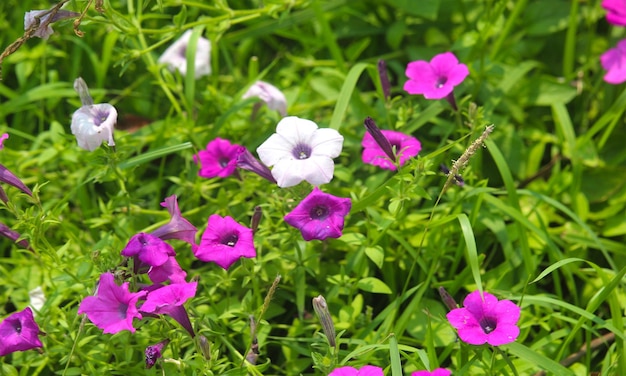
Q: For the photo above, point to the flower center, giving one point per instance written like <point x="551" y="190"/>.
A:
<point x="100" y="117"/>
<point x="319" y="212"/>
<point x="17" y="326"/>
<point x="488" y="324"/>
<point x="122" y="309"/>
<point x="230" y="240"/>
<point x="440" y="82"/>
<point x="223" y="161"/>
<point x="302" y="151"/>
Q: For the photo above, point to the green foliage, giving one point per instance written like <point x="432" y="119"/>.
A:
<point x="540" y="220"/>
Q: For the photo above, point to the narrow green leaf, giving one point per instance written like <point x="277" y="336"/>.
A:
<point x="394" y="355"/>
<point x="154" y="154"/>
<point x="551" y="366"/>
<point x="472" y="254"/>
<point x="346" y="93"/>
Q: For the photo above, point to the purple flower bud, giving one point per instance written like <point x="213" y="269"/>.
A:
<point x="321" y="308"/>
<point x="8" y="233"/>
<point x="384" y="78"/>
<point x="155" y="352"/>
<point x="380" y="139"/>
<point x="256" y="218"/>
<point x="247" y="161"/>
<point x="448" y="300"/>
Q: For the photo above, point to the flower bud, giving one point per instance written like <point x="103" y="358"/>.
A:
<point x="321" y="308"/>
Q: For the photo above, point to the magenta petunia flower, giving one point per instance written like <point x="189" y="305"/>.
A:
<point x="178" y="227"/>
<point x="19" y="332"/>
<point x="320" y="215"/>
<point x="149" y="249"/>
<point x="363" y="371"/>
<point x="435" y="79"/>
<point x="405" y="147"/>
<point x="486" y="320"/>
<point x="113" y="308"/>
<point x="169" y="300"/>
<point x="154" y="352"/>
<point x="435" y="372"/>
<point x="614" y="62"/>
<point x="218" y="160"/>
<point x="169" y="271"/>
<point x="616" y="11"/>
<point x="224" y="242"/>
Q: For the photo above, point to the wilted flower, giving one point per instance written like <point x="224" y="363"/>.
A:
<point x="246" y="161"/>
<point x="616" y="11"/>
<point x="320" y="215"/>
<point x="19" y="332"/>
<point x="299" y="150"/>
<point x="13" y="235"/>
<point x="148" y="249"/>
<point x="178" y="227"/>
<point x="435" y="372"/>
<point x="224" y="242"/>
<point x="113" y="308"/>
<point x="484" y="319"/>
<point x="382" y="147"/>
<point x="363" y="371"/>
<point x="8" y="177"/>
<point x="218" y="160"/>
<point x="169" y="300"/>
<point x="155" y="352"/>
<point x="44" y="30"/>
<point x="270" y="94"/>
<point x="175" y="56"/>
<point x="92" y="124"/>
<point x="435" y="79"/>
<point x="614" y="62"/>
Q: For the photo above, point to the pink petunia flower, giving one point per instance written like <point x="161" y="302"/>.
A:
<point x="616" y="11"/>
<point x="486" y="320"/>
<point x="169" y="300"/>
<point x="113" y="308"/>
<point x="169" y="271"/>
<point x="148" y="249"/>
<point x="224" y="242"/>
<point x="19" y="332"/>
<point x="435" y="79"/>
<point x="405" y="146"/>
<point x="270" y="94"/>
<point x="435" y="372"/>
<point x="614" y="62"/>
<point x="320" y="215"/>
<point x="363" y="371"/>
<point x="178" y="227"/>
<point x="218" y="160"/>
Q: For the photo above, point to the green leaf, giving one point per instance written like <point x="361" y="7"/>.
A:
<point x="376" y="254"/>
<point x="375" y="285"/>
<point x="541" y="361"/>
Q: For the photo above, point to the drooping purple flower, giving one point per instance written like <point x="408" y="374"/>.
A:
<point x="405" y="147"/>
<point x="225" y="241"/>
<point x="44" y="30"/>
<point x="246" y="161"/>
<point x="169" y="300"/>
<point x="13" y="235"/>
<point x="8" y="177"/>
<point x="435" y="79"/>
<point x="270" y="94"/>
<point x="299" y="150"/>
<point x="614" y="62"/>
<point x="435" y="372"/>
<point x="168" y="271"/>
<point x="149" y="249"/>
<point x="616" y="11"/>
<point x="219" y="159"/>
<point x="19" y="332"/>
<point x="92" y="124"/>
<point x="178" y="227"/>
<point x="175" y="56"/>
<point x="155" y="352"/>
<point x="113" y="308"/>
<point x="363" y="371"/>
<point x="320" y="215"/>
<point x="384" y="78"/>
<point x="486" y="320"/>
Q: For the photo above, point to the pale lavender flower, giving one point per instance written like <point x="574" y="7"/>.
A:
<point x="175" y="56"/>
<point x="44" y="30"/>
<point x="270" y="94"/>
<point x="92" y="124"/>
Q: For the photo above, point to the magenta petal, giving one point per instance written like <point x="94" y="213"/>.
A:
<point x="344" y="371"/>
<point x="320" y="215"/>
<point x="503" y="334"/>
<point x="169" y="271"/>
<point x="178" y="227"/>
<point x="224" y="242"/>
<point x="614" y="62"/>
<point x="219" y="159"/>
<point x="19" y="332"/>
<point x="150" y="249"/>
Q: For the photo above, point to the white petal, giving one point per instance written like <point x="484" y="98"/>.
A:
<point x="288" y="173"/>
<point x="326" y="142"/>
<point x="317" y="170"/>
<point x="93" y="125"/>
<point x="295" y="129"/>
<point x="275" y="149"/>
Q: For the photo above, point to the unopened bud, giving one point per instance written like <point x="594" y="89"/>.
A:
<point x="205" y="347"/>
<point x="321" y="308"/>
<point x="256" y="218"/>
<point x="448" y="300"/>
<point x="155" y="352"/>
<point x="384" y="78"/>
<point x="380" y="139"/>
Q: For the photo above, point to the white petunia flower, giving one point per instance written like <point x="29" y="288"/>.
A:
<point x="92" y="124"/>
<point x="175" y="56"/>
<point x="299" y="150"/>
<point x="270" y="94"/>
